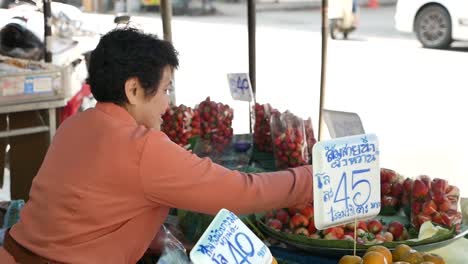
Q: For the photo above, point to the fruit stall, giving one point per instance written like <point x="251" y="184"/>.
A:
<point x="419" y="214"/>
<point x="420" y="218"/>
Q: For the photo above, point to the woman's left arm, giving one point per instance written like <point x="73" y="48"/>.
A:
<point x="177" y="178"/>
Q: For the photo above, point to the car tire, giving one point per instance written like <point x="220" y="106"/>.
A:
<point x="433" y="27"/>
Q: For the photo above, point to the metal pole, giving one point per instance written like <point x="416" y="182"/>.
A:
<point x="251" y="27"/>
<point x="323" y="72"/>
<point x="251" y="23"/>
<point x="166" y="16"/>
<point x="47" y="31"/>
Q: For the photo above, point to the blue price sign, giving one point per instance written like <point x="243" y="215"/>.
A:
<point x="346" y="180"/>
<point x="239" y="85"/>
<point x="228" y="240"/>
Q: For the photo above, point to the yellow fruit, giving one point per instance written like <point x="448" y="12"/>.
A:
<point x="350" y="260"/>
<point x="400" y="262"/>
<point x="374" y="257"/>
<point x="400" y="251"/>
<point x="413" y="257"/>
<point x="382" y="250"/>
<point x="274" y="261"/>
<point x="436" y="259"/>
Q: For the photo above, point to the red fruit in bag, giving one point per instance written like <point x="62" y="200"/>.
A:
<point x="408" y="185"/>
<point x="453" y="191"/>
<point x="426" y="179"/>
<point x="385" y="188"/>
<point x="397" y="189"/>
<point x="429" y="208"/>
<point x="439" y="185"/>
<point x="420" y="190"/>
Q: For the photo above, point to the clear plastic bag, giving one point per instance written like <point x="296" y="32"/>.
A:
<point x="289" y="145"/>
<point x="262" y="136"/>
<point x="216" y="127"/>
<point x="173" y="250"/>
<point x="181" y="124"/>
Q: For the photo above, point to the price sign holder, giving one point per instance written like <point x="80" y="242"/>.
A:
<point x="228" y="240"/>
<point x="346" y="180"/>
<point x="239" y="85"/>
<point x="241" y="90"/>
<point x="342" y="124"/>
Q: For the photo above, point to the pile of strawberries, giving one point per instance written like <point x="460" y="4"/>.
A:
<point x="301" y="222"/>
<point x="216" y="126"/>
<point x="180" y="124"/>
<point x="262" y="136"/>
<point x="435" y="201"/>
<point x="289" y="145"/>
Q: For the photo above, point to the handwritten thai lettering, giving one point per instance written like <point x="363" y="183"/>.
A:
<point x="219" y="235"/>
<point x="327" y="195"/>
<point x="359" y="151"/>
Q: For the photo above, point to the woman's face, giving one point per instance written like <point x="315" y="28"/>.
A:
<point x="148" y="111"/>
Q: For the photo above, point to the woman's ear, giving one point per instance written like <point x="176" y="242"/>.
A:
<point x="131" y="90"/>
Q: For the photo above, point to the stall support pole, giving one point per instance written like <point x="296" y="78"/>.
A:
<point x="323" y="73"/>
<point x="166" y="16"/>
<point x="252" y="49"/>
<point x="47" y="31"/>
<point x="251" y="27"/>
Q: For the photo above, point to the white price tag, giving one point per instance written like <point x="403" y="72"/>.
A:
<point x="346" y="180"/>
<point x="229" y="240"/>
<point x="342" y="124"/>
<point x="239" y="85"/>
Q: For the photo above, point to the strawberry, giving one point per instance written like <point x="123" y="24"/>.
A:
<point x="375" y="226"/>
<point x="439" y="185"/>
<point x="308" y="212"/>
<point x="283" y="216"/>
<point x="311" y="228"/>
<point x="298" y="220"/>
<point x="301" y="231"/>
<point x="396" y="228"/>
<point x="420" y="190"/>
<point x="333" y="233"/>
<point x="429" y="208"/>
<point x="397" y="189"/>
<point x="275" y="224"/>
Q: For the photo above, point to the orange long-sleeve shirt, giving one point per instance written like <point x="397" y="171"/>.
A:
<point x="106" y="186"/>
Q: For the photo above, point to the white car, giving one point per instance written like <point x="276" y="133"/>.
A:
<point x="435" y="23"/>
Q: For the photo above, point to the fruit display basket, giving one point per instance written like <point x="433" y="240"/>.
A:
<point x="337" y="248"/>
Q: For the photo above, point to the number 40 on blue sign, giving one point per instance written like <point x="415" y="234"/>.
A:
<point x="346" y="180"/>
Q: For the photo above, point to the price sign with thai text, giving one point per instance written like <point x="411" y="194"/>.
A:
<point x="229" y="241"/>
<point x="239" y="85"/>
<point x="346" y="180"/>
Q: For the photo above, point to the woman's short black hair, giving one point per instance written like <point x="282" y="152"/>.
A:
<point x="126" y="53"/>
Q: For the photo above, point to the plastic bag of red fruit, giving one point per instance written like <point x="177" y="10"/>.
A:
<point x="261" y="126"/>
<point x="435" y="201"/>
<point x="289" y="144"/>
<point x="216" y="127"/>
<point x="181" y="124"/>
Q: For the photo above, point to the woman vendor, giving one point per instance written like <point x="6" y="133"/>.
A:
<point x="110" y="175"/>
